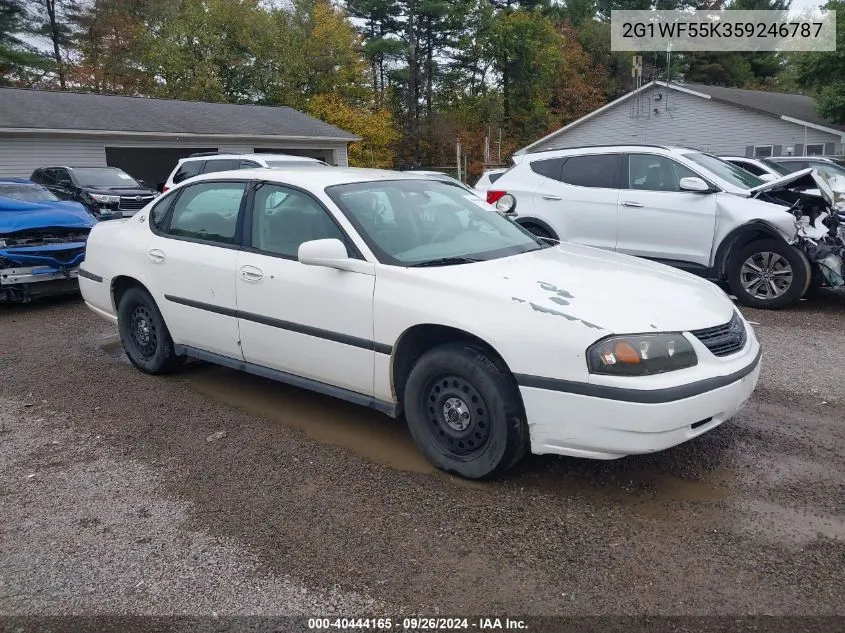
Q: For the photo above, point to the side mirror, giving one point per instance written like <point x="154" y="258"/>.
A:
<point x="329" y="253"/>
<point x="694" y="184"/>
<point x="766" y="177"/>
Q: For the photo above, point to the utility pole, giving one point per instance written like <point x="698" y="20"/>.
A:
<point x="458" y="156"/>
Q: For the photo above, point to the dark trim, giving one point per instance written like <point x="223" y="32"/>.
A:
<point x="199" y="305"/>
<point x="696" y="269"/>
<point x="307" y="330"/>
<point x="646" y="396"/>
<point x="523" y="220"/>
<point x="84" y="273"/>
<point x="389" y="408"/>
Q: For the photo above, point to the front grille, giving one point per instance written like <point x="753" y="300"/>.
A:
<point x="132" y="203"/>
<point x="723" y="340"/>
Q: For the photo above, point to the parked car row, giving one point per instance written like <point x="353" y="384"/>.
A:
<point x="44" y="221"/>
<point x="768" y="240"/>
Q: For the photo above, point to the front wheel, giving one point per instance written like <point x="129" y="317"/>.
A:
<point x="464" y="411"/>
<point x="143" y="333"/>
<point x="768" y="274"/>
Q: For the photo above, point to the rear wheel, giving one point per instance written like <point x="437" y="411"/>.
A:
<point x="464" y="411"/>
<point x="143" y="333"/>
<point x="768" y="274"/>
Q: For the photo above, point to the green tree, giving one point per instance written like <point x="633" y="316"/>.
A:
<point x="20" y="63"/>
<point x="823" y="73"/>
<point x="56" y="19"/>
<point x="527" y="56"/>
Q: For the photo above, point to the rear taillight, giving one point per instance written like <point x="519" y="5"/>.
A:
<point x="493" y="196"/>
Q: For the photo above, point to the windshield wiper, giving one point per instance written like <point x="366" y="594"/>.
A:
<point x="445" y="261"/>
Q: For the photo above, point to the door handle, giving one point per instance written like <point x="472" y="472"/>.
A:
<point x="628" y="203"/>
<point x="156" y="255"/>
<point x="251" y="274"/>
<point x="548" y="197"/>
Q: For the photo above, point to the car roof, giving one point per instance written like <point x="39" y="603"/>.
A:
<point x="611" y="149"/>
<point x="17" y="181"/>
<point x="259" y="156"/>
<point x="314" y="178"/>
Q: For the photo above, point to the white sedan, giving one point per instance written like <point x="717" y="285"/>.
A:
<point x="410" y="295"/>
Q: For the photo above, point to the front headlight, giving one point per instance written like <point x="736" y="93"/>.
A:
<point x="104" y="199"/>
<point x="640" y="354"/>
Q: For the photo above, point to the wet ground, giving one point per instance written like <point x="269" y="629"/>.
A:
<point x="213" y="491"/>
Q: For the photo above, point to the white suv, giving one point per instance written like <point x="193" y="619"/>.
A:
<point x="208" y="162"/>
<point x="684" y="208"/>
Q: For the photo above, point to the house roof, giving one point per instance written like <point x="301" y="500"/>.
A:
<point x="799" y="109"/>
<point x="24" y="109"/>
<point x="795" y="106"/>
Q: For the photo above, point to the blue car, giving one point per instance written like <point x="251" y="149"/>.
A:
<point x="42" y="241"/>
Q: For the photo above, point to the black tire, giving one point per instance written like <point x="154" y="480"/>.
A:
<point x="144" y="335"/>
<point x="463" y="379"/>
<point x="780" y="257"/>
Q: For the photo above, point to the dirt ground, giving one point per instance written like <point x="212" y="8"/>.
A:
<point x="118" y="498"/>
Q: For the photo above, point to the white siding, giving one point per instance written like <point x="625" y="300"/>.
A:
<point x="689" y="121"/>
<point x="21" y="154"/>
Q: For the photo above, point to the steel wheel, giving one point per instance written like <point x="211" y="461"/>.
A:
<point x="459" y="416"/>
<point x="766" y="275"/>
<point x="142" y="332"/>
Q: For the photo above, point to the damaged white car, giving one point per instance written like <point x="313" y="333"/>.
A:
<point x="407" y="294"/>
<point x="768" y="240"/>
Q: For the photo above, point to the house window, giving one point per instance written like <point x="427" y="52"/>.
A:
<point x="763" y="151"/>
<point x="814" y="149"/>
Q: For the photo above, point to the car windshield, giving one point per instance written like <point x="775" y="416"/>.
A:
<point x="725" y="170"/>
<point x="413" y="222"/>
<point x="29" y="193"/>
<point x="282" y="164"/>
<point x="775" y="167"/>
<point x="103" y="177"/>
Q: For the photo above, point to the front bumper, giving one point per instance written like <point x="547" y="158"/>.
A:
<point x="21" y="285"/>
<point x="601" y="428"/>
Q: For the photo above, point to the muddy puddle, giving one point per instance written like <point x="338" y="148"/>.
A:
<point x="372" y="435"/>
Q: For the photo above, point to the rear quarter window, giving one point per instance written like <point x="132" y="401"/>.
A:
<point x="550" y="168"/>
<point x="186" y="170"/>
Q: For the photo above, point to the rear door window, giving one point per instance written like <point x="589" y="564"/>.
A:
<point x="208" y="211"/>
<point x="596" y="170"/>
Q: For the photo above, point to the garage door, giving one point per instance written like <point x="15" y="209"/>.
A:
<point x="151" y="164"/>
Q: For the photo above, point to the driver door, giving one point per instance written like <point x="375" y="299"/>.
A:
<point x="309" y="321"/>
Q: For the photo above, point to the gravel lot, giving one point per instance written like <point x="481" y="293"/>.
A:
<point x="117" y="499"/>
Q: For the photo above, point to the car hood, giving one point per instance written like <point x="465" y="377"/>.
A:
<point x="804" y="179"/>
<point x="20" y="215"/>
<point x="603" y="291"/>
<point x="121" y="191"/>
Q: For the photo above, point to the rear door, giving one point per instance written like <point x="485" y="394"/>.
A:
<point x="578" y="197"/>
<point x="190" y="264"/>
<point x="659" y="221"/>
